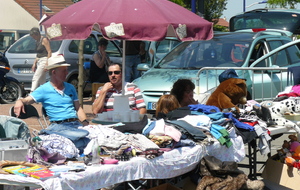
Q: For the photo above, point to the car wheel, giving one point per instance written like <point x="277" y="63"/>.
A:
<point x="74" y="81"/>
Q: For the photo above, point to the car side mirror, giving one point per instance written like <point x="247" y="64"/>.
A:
<point x="143" y="67"/>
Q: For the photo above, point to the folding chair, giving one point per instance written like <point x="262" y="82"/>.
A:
<point x="30" y="111"/>
<point x="45" y="116"/>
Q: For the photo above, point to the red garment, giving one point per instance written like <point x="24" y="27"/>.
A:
<point x="291" y="94"/>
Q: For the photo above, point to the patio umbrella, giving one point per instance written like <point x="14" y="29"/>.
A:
<point x="150" y="20"/>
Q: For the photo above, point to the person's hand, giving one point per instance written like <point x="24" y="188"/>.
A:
<point x="103" y="53"/>
<point x="107" y="86"/>
<point x="33" y="68"/>
<point x="18" y="108"/>
<point x="193" y="101"/>
<point x="45" y="68"/>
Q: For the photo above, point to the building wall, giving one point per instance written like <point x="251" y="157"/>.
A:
<point x="13" y="16"/>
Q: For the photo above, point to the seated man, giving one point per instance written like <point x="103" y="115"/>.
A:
<point x="61" y="103"/>
<point x="105" y="95"/>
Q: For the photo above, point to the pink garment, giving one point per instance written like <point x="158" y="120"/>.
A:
<point x="172" y="132"/>
<point x="294" y="145"/>
<point x="296" y="88"/>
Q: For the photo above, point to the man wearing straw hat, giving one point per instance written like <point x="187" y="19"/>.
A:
<point x="61" y="103"/>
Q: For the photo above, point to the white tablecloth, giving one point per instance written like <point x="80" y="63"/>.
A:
<point x="171" y="164"/>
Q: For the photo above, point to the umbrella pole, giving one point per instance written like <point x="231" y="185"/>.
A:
<point x="123" y="66"/>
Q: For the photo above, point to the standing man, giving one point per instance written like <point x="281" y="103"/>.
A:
<point x="132" y="59"/>
<point x="44" y="52"/>
<point x="61" y="103"/>
<point x="105" y="95"/>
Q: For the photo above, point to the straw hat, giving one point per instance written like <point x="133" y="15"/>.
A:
<point x="56" y="61"/>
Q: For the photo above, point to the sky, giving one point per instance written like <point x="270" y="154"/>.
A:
<point x="237" y="6"/>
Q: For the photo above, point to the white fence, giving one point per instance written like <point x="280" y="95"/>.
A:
<point x="263" y="83"/>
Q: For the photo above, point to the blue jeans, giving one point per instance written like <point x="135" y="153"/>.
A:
<point x="131" y="72"/>
<point x="69" y="130"/>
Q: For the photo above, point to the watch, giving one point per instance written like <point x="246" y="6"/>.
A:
<point x="85" y="121"/>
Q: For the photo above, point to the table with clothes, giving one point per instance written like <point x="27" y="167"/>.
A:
<point x="164" y="148"/>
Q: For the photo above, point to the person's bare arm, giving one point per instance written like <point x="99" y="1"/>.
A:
<point x="19" y="105"/>
<point x="100" y="61"/>
<point x="143" y="110"/>
<point x="80" y="113"/>
<point x="98" y="104"/>
<point x="46" y="43"/>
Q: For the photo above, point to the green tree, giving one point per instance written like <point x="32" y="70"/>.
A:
<point x="213" y="9"/>
<point x="283" y="3"/>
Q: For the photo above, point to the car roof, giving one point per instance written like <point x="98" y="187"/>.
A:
<point x="250" y="35"/>
<point x="269" y="10"/>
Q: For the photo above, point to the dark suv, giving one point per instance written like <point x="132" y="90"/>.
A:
<point x="281" y="19"/>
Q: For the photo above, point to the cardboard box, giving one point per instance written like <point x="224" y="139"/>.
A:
<point x="165" y="186"/>
<point x="281" y="174"/>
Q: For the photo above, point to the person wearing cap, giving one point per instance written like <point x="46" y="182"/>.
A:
<point x="61" y="103"/>
<point x="227" y="74"/>
<point x="44" y="52"/>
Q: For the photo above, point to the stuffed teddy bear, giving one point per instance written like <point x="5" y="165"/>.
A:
<point x="228" y="94"/>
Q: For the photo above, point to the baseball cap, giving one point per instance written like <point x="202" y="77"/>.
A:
<point x="227" y="74"/>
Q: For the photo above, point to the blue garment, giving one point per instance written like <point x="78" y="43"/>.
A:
<point x="131" y="63"/>
<point x="237" y="123"/>
<point x="69" y="130"/>
<point x="58" y="106"/>
<point x="204" y="108"/>
<point x="148" y="128"/>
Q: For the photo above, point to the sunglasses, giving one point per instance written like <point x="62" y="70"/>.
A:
<point x="114" y="72"/>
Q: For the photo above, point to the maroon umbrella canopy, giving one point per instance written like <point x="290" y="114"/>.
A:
<point x="150" y="20"/>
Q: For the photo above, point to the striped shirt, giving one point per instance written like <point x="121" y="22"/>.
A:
<point x="136" y="100"/>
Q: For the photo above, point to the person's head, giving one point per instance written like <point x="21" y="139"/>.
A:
<point x="115" y="74"/>
<point x="142" y="45"/>
<point x="58" y="67"/>
<point x="35" y="33"/>
<point x="102" y="43"/>
<point x="166" y="103"/>
<point x="183" y="90"/>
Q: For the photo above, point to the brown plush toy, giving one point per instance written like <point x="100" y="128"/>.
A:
<point x="231" y="91"/>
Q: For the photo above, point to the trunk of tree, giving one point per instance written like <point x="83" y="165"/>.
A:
<point x="80" y="72"/>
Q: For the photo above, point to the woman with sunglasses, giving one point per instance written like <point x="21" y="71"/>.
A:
<point x="105" y="95"/>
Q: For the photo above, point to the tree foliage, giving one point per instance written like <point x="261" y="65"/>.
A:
<point x="283" y="3"/>
<point x="213" y="9"/>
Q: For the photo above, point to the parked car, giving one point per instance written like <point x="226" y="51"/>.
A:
<point x="21" y="56"/>
<point x="282" y="19"/>
<point x="8" y="37"/>
<point x="228" y="50"/>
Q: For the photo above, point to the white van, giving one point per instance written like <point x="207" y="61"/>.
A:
<point x="8" y="37"/>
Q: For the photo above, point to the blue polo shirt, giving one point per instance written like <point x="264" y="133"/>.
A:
<point x="58" y="106"/>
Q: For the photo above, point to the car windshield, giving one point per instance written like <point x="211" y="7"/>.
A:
<point x="28" y="44"/>
<point x="212" y="53"/>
